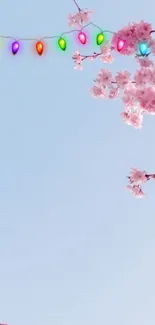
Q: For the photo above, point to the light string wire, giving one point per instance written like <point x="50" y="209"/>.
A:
<point x="61" y="35"/>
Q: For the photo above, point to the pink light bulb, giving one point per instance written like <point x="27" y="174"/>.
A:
<point x="120" y="45"/>
<point x="82" y="38"/>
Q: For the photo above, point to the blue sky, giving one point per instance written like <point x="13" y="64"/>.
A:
<point x="75" y="247"/>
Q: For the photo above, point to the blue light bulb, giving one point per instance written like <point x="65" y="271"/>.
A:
<point x="143" y="48"/>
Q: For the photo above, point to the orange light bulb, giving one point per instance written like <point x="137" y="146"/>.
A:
<point x="39" y="48"/>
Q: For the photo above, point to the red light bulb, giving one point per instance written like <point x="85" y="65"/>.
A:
<point x="82" y="38"/>
<point x="120" y="45"/>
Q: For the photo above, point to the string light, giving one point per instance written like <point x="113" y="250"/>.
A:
<point x="82" y="38"/>
<point x="15" y="47"/>
<point x="60" y="39"/>
<point x="143" y="48"/>
<point x="100" y="38"/>
<point x="62" y="43"/>
<point x="120" y="45"/>
<point x="39" y="48"/>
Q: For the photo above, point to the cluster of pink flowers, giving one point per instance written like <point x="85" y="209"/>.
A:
<point x="81" y="17"/>
<point x="132" y="35"/>
<point x="137" y="92"/>
<point x="136" y="179"/>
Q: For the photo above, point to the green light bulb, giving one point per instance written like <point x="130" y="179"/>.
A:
<point x="100" y="38"/>
<point x="62" y="44"/>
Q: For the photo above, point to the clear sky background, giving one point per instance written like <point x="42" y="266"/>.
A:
<point x="75" y="247"/>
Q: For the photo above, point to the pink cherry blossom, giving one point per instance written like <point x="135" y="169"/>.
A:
<point x="74" y="20"/>
<point x="136" y="179"/>
<point x="136" y="191"/>
<point x="78" y="66"/>
<point x="107" y="58"/>
<point x="80" y="18"/>
<point x="85" y="16"/>
<point x="77" y="57"/>
<point x="145" y="62"/>
<point x="122" y="78"/>
<point x="105" y="49"/>
<point x="105" y="54"/>
<point x="78" y="60"/>
<point x="143" y="76"/>
<point x="98" y="92"/>
<point x="104" y="78"/>
<point x="137" y="176"/>
<point x="113" y="92"/>
<point x="133" y="119"/>
<point x="143" y="30"/>
<point x="147" y="100"/>
<point x="129" y="96"/>
<point x="140" y="92"/>
<point x="135" y="114"/>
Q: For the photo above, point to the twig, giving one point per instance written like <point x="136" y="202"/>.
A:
<point x="77" y="5"/>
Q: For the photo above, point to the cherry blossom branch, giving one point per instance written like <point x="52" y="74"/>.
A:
<point x="91" y="57"/>
<point x="105" y="52"/>
<point x="138" y="94"/>
<point x="106" y="49"/>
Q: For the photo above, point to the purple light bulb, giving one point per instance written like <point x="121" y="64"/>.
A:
<point x="15" y="47"/>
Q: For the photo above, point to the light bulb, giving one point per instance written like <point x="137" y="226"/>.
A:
<point x="39" y="48"/>
<point x="100" y="38"/>
<point x="62" y="44"/>
<point x="143" y="48"/>
<point x="120" y="45"/>
<point x="15" y="47"/>
<point x="82" y="38"/>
